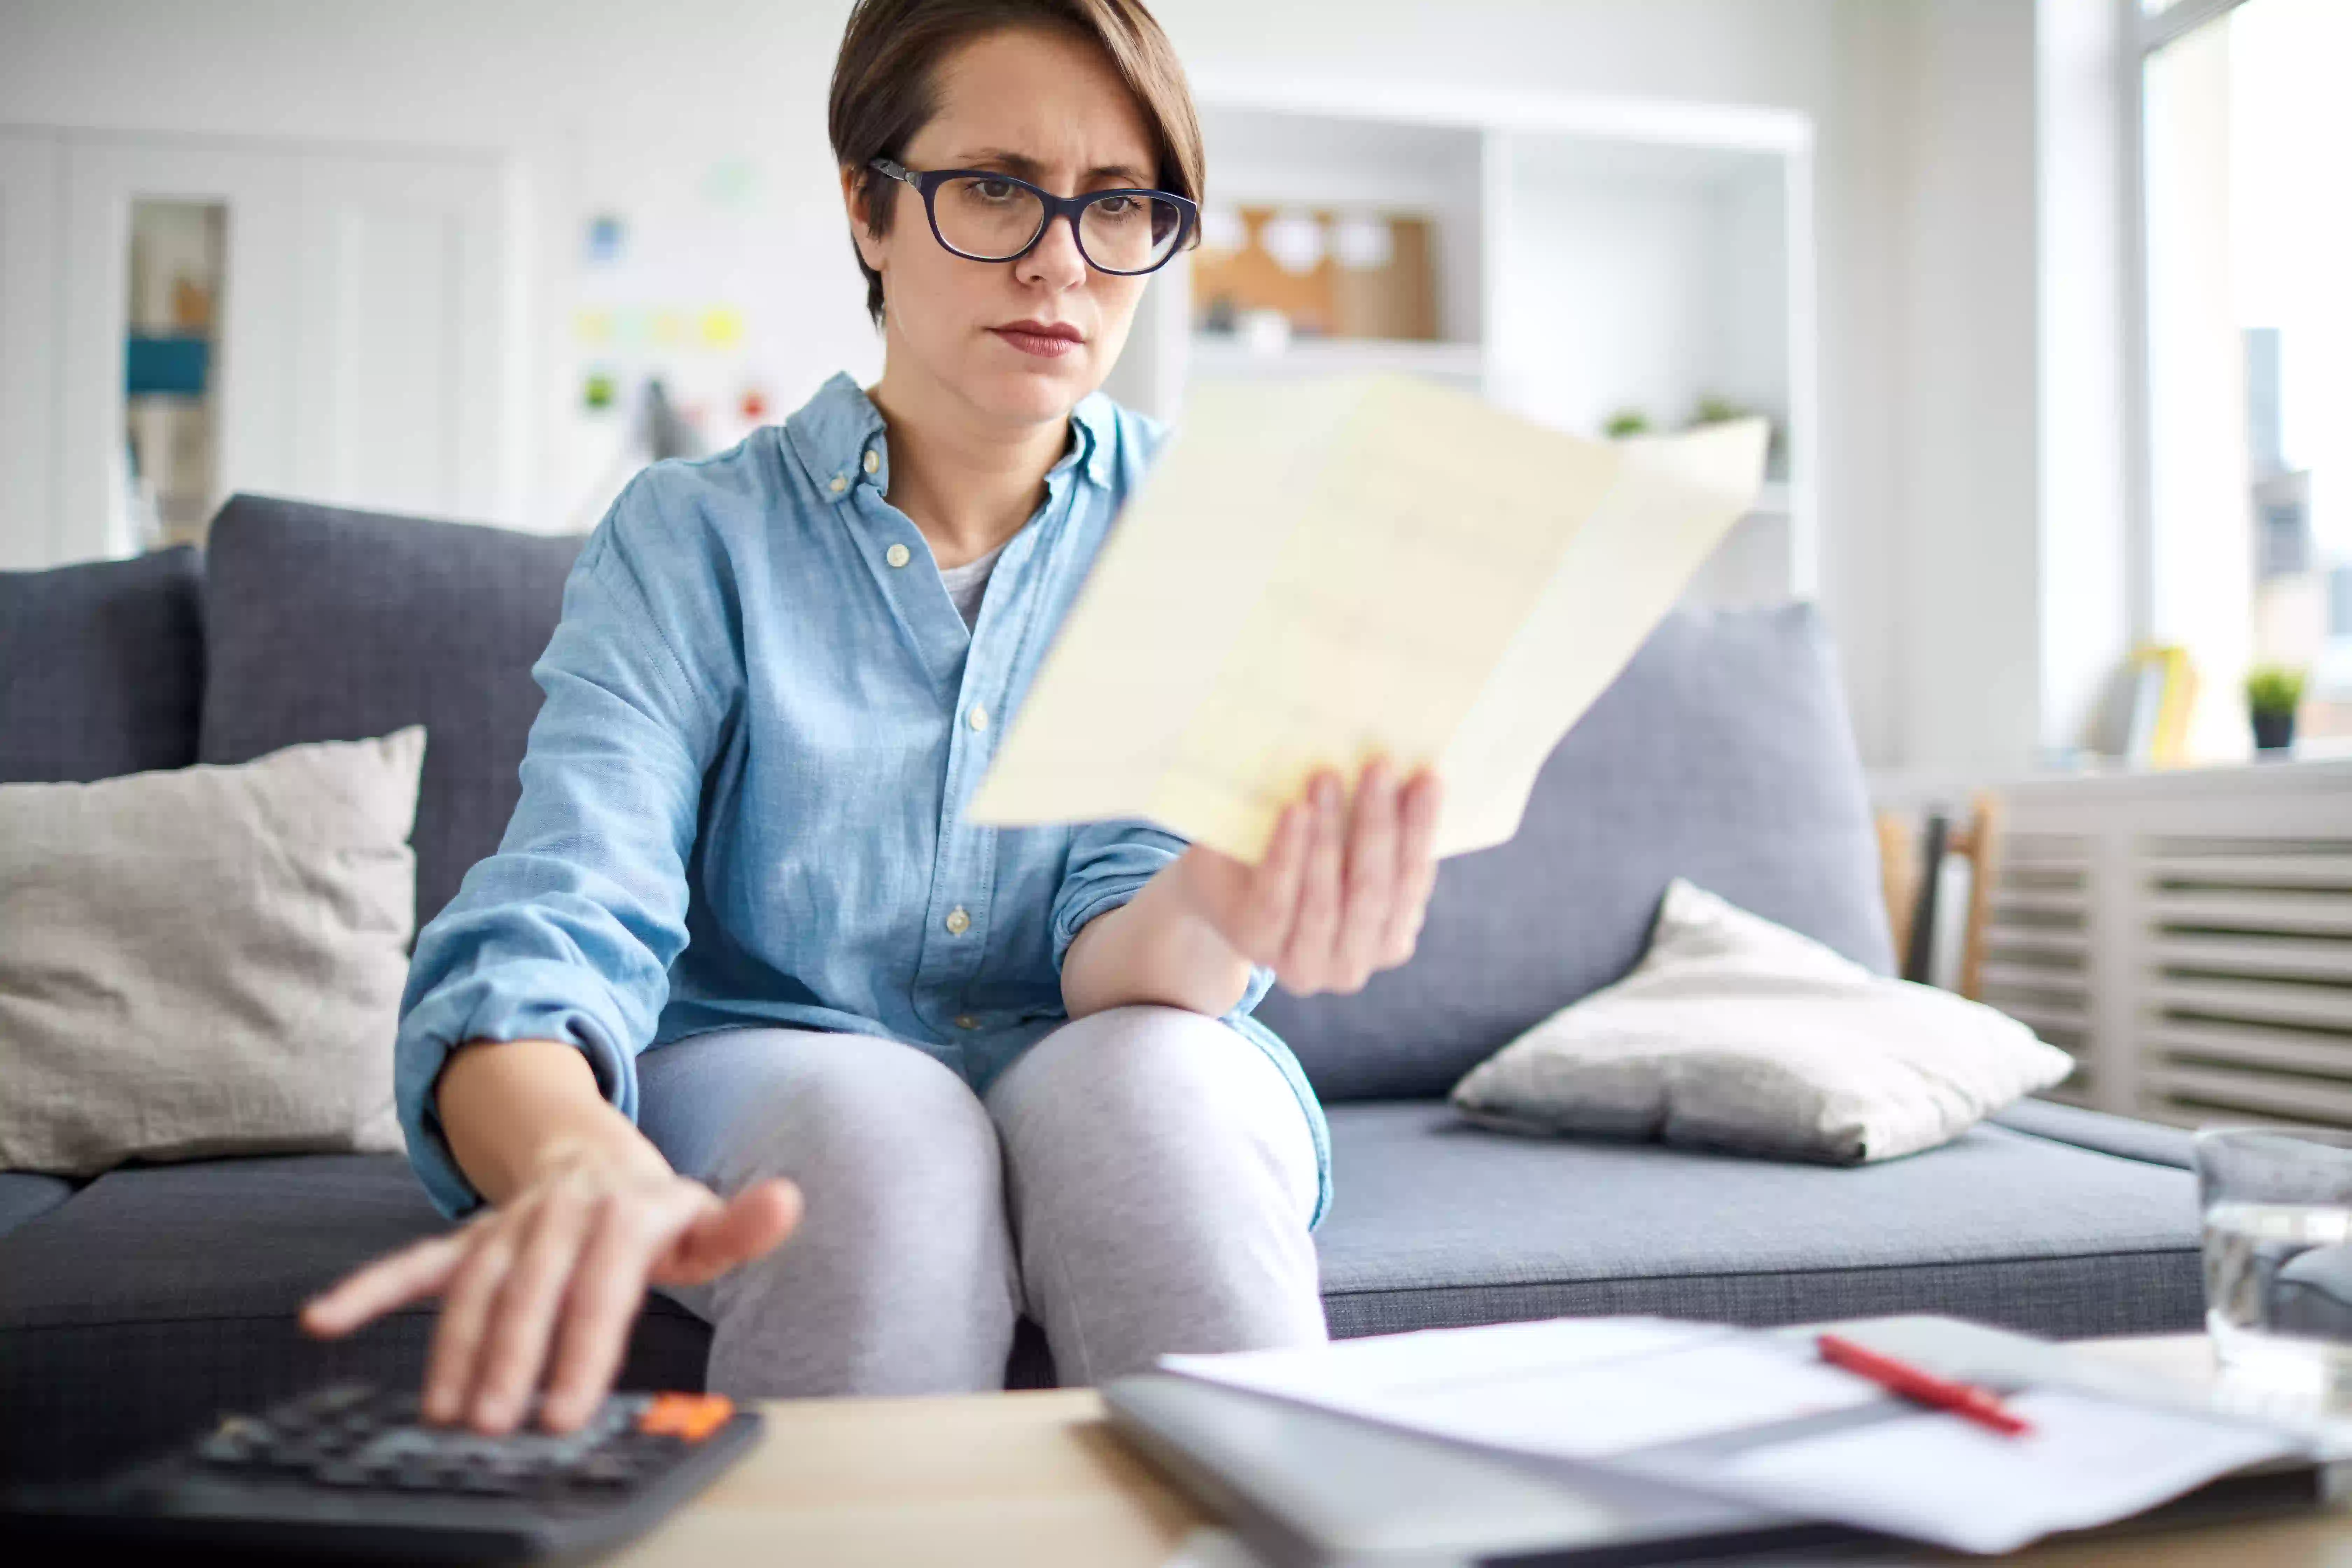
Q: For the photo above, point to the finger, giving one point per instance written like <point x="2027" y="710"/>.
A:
<point x="752" y="1222"/>
<point x="464" y="1308"/>
<point x="523" y="1320"/>
<point x="1273" y="889"/>
<point x="1307" y="957"/>
<point x="1371" y="877"/>
<point x="606" y="1290"/>
<point x="1416" y="863"/>
<point x="389" y="1282"/>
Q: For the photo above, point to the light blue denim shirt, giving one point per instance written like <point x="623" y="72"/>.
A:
<point x="742" y="797"/>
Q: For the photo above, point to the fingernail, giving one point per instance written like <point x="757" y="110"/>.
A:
<point x="1327" y="793"/>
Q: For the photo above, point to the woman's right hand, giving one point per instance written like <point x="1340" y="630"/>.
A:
<point x="554" y="1278"/>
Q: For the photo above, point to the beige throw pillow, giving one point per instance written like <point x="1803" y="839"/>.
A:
<point x="1735" y="1033"/>
<point x="206" y="961"/>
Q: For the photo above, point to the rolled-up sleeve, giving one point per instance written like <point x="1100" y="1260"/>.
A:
<point x="569" y="930"/>
<point x="1109" y="863"/>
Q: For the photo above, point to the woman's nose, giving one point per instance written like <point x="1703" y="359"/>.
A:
<point x="1055" y="260"/>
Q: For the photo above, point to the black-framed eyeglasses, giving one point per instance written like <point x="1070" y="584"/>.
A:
<point x="982" y="215"/>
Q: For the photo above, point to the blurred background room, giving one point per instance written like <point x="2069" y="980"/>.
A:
<point x="2044" y="299"/>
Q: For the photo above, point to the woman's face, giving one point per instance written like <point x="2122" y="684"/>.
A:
<point x="1048" y="108"/>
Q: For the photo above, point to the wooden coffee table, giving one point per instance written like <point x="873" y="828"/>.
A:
<point x="1037" y="1479"/>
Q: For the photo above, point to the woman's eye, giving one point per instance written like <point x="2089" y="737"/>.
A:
<point x="1117" y="206"/>
<point x="994" y="190"/>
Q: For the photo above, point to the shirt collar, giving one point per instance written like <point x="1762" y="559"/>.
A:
<point x="834" y="430"/>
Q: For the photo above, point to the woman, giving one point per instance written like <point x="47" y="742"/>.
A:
<point x="970" y="1071"/>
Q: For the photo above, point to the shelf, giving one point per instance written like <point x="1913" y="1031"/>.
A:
<point x="1216" y="354"/>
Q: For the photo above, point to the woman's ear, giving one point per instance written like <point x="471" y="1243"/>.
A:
<point x="852" y="200"/>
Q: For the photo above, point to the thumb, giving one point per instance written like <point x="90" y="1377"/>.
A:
<point x="752" y="1222"/>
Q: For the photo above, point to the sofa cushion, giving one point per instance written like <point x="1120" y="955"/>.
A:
<point x="102" y="668"/>
<point x="160" y="1296"/>
<point x="2133" y="1139"/>
<point x="329" y="625"/>
<point x="28" y="1196"/>
<point x="206" y="961"/>
<point x="1438" y="1223"/>
<point x="1735" y="1033"/>
<point x="1722" y="753"/>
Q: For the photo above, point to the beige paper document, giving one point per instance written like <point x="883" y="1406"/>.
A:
<point x="1318" y="571"/>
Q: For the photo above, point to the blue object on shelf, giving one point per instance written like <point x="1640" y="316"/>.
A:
<point x="173" y="366"/>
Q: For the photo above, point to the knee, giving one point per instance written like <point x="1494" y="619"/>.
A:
<point x="1137" y="1060"/>
<point x="875" y="1133"/>
<point x="1170" y="1095"/>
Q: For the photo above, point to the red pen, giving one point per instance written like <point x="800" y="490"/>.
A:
<point x="1979" y="1405"/>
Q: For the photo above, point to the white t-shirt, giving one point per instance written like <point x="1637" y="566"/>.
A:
<point x="968" y="582"/>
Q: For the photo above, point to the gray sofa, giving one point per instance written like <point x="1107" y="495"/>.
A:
<point x="135" y="1305"/>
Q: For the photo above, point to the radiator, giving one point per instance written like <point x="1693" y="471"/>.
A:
<point x="2187" y="937"/>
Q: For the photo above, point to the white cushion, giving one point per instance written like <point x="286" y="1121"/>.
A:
<point x="1735" y="1033"/>
<point x="207" y="959"/>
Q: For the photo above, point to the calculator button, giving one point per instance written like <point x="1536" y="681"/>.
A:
<point x="604" y="1470"/>
<point x="691" y="1416"/>
<point x="226" y="1448"/>
<point x="341" y="1473"/>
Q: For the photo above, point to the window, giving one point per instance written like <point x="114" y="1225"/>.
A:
<point x="2246" y="111"/>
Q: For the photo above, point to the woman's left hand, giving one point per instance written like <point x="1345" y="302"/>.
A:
<point x="1342" y="889"/>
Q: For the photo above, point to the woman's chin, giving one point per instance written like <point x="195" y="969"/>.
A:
<point x="1036" y="391"/>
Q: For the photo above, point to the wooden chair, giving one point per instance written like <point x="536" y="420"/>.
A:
<point x="1910" y="859"/>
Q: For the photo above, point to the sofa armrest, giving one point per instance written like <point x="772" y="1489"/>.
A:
<point x="2123" y="1135"/>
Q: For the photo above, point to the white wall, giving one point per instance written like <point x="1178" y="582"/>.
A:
<point x="2087" y="570"/>
<point x="1926" y="202"/>
<point x="1969" y="572"/>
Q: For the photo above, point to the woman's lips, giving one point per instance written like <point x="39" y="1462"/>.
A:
<point x="1038" y="343"/>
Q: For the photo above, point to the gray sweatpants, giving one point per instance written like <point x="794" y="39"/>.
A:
<point x="1139" y="1181"/>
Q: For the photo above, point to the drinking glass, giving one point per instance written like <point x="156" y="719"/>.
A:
<point x="2277" y="1206"/>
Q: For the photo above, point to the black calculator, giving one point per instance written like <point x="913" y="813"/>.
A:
<point x="348" y="1473"/>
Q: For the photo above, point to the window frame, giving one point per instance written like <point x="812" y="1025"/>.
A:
<point x="2145" y="33"/>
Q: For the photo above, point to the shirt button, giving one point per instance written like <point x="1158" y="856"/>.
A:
<point x="873" y="461"/>
<point x="838" y="484"/>
<point x="897" y="555"/>
<point x="958" y="922"/>
<point x="977" y="717"/>
<point x="966" y="1021"/>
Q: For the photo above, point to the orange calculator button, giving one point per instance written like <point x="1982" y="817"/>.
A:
<point x="692" y="1416"/>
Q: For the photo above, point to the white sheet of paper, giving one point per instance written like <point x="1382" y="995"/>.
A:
<point x="1601" y="1388"/>
<point x="1317" y="571"/>
<point x="1941" y="1479"/>
<point x="1569" y="1388"/>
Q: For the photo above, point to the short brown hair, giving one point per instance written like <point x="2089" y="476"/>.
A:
<point x="884" y="91"/>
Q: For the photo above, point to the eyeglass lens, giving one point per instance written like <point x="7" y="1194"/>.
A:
<point x="993" y="220"/>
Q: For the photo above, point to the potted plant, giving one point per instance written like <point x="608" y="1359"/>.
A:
<point x="2273" y="693"/>
<point x="1626" y="421"/>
